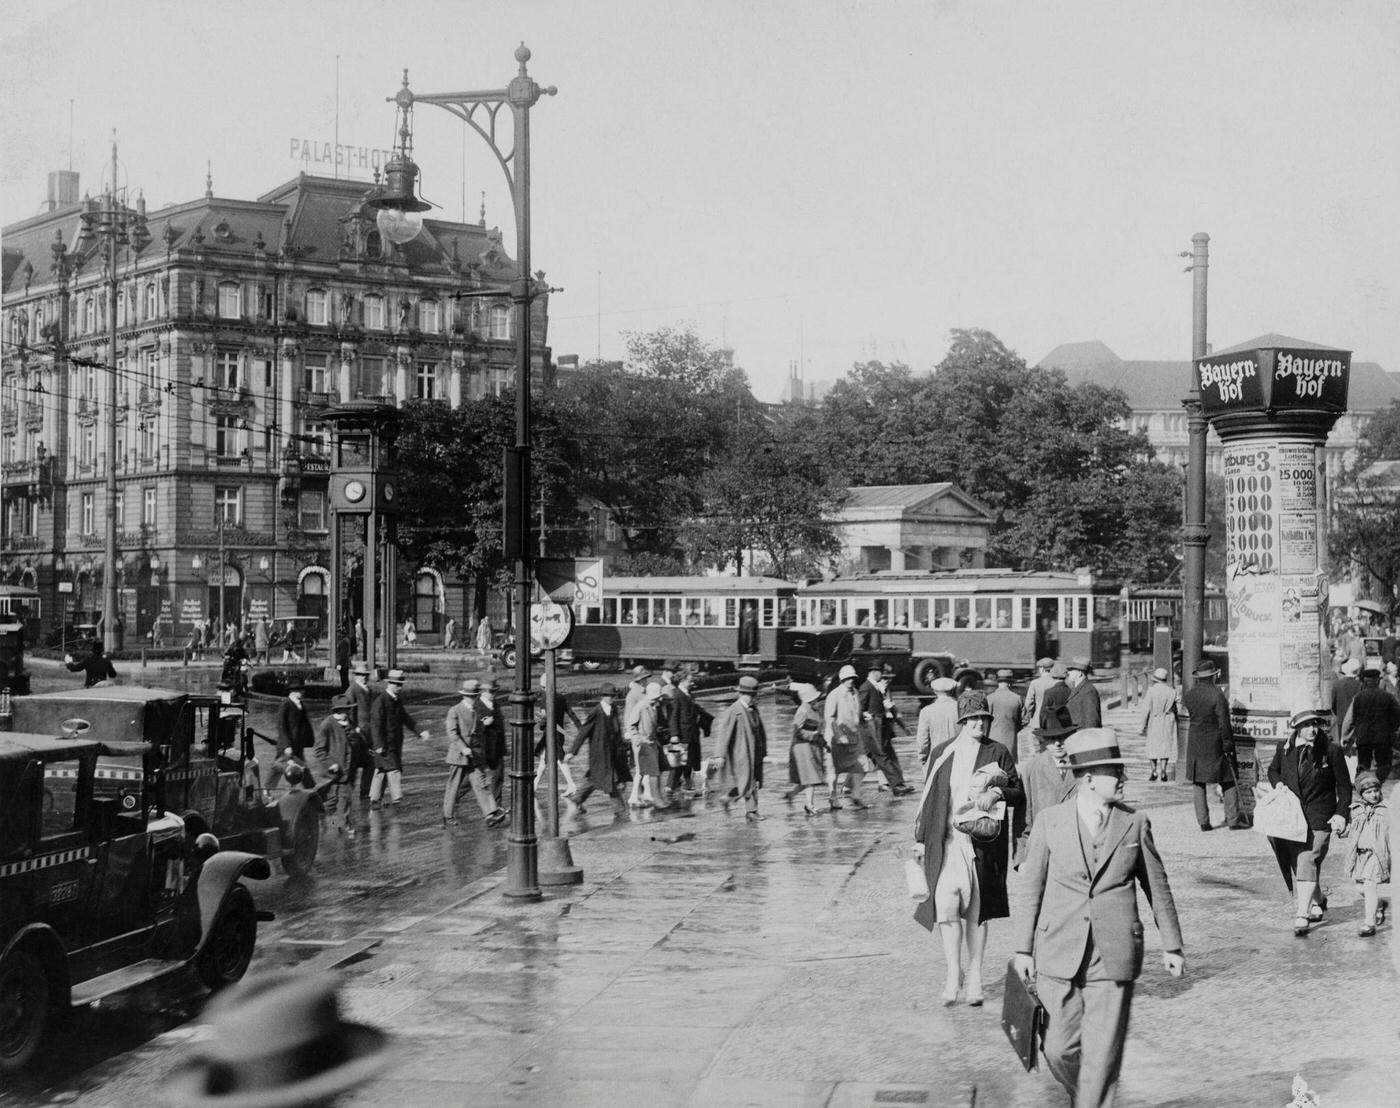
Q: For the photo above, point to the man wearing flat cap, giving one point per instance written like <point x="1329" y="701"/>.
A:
<point x="1030" y="711"/>
<point x="1083" y="703"/>
<point x="1210" y="747"/>
<point x="938" y="719"/>
<point x="1078" y="936"/>
<point x="1375" y="718"/>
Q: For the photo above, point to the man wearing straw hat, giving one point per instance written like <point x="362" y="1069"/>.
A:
<point x="1079" y="937"/>
<point x="387" y="720"/>
<point x="463" y="742"/>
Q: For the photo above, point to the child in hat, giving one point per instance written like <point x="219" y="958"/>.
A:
<point x="1368" y="859"/>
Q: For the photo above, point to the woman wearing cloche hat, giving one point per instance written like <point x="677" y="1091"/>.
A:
<point x="1160" y="709"/>
<point x="1312" y="766"/>
<point x="841" y="729"/>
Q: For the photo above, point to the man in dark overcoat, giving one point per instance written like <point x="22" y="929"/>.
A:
<point x="688" y="721"/>
<point x="607" y="758"/>
<point x="333" y="755"/>
<point x="739" y="747"/>
<point x="1210" y="747"/>
<point x="463" y="738"/>
<point x="360" y="697"/>
<point x="387" y="720"/>
<point x="294" y="734"/>
<point x="1375" y="718"/>
<point x="489" y="769"/>
<point x="1083" y="704"/>
<point x="1053" y="712"/>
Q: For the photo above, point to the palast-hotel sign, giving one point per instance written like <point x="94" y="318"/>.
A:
<point x="338" y="155"/>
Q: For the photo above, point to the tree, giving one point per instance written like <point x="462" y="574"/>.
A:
<point x="769" y="496"/>
<point x="1365" y="518"/>
<point x="649" y="429"/>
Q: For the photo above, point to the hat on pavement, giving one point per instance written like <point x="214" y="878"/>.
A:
<point x="748" y="684"/>
<point x="1044" y="663"/>
<point x="1160" y="674"/>
<point x="943" y="685"/>
<point x="343" y="703"/>
<point x="1083" y="665"/>
<point x="1366" y="779"/>
<point x="277" y="1040"/>
<point x="469" y="687"/>
<point x="1093" y="746"/>
<point x="1004" y="675"/>
<point x="848" y="673"/>
<point x="1351" y="667"/>
<point x="1059" y="671"/>
<point x="640" y="673"/>
<point x="360" y="668"/>
<point x="396" y="677"/>
<point x="805" y="693"/>
<point x="1055" y="732"/>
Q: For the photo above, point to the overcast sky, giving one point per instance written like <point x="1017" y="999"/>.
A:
<point x="814" y="182"/>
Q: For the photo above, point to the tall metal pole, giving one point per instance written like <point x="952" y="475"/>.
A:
<point x="1195" y="535"/>
<point x="522" y="858"/>
<point x="223" y="572"/>
<point x="109" y="573"/>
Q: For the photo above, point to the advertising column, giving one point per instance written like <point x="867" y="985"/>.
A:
<point x="1273" y="403"/>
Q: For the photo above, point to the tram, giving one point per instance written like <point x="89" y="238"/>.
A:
<point x="1143" y="604"/>
<point x="715" y="622"/>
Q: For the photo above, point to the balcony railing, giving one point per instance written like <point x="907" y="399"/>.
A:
<point x="24" y="543"/>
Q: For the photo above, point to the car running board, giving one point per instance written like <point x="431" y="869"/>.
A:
<point x="98" y="988"/>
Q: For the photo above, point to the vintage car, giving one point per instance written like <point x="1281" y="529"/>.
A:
<point x="97" y="894"/>
<point x="213" y="776"/>
<point x="815" y="656"/>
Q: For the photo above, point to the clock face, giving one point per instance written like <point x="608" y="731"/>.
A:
<point x="388" y="491"/>
<point x="354" y="491"/>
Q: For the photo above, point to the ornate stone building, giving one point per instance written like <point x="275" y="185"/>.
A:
<point x="237" y="322"/>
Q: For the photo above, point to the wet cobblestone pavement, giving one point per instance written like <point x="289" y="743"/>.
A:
<point x="778" y="964"/>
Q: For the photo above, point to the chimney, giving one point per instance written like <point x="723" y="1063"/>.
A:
<point x="63" y="188"/>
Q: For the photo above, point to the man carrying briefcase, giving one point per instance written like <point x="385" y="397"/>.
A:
<point x="1081" y="939"/>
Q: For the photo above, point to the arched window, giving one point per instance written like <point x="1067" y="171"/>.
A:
<point x="500" y="322"/>
<point x="374" y="245"/>
<point x="230" y="300"/>
<point x="316" y="310"/>
<point x="427" y="601"/>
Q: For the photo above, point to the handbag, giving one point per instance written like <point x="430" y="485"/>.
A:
<point x="1279" y="814"/>
<point x="1023" y="1019"/>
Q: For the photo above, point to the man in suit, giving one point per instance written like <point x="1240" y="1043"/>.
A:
<point x="1080" y="938"/>
<point x="938" y="719"/>
<point x="294" y="734"/>
<point x="688" y="721"/>
<point x="1375" y="718"/>
<point x="333" y="754"/>
<point x="1005" y="705"/>
<point x="877" y="729"/>
<point x="463" y="739"/>
<point x="1210" y="747"/>
<point x="1083" y="703"/>
<point x="360" y="696"/>
<point x="388" y="719"/>
<point x="740" y="745"/>
<point x="1047" y="781"/>
<point x="1030" y="710"/>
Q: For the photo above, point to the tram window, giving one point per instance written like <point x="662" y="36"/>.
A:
<point x="787" y="614"/>
<point x="918" y="613"/>
<point x="1106" y="609"/>
<point x="828" y="613"/>
<point x="982" y="611"/>
<point x="765" y="613"/>
<point x="882" y="613"/>
<point x="590" y="613"/>
<point x="731" y="613"/>
<point x="962" y="611"/>
<point x="643" y="611"/>
<point x="1027" y="614"/>
<point x="1004" y="613"/>
<point x="1083" y="606"/>
<point x="899" y="612"/>
<point x="673" y="611"/>
<point x="610" y="609"/>
<point x="629" y="610"/>
<point x="941" y="617"/>
<point x="714" y="611"/>
<point x="692" y="611"/>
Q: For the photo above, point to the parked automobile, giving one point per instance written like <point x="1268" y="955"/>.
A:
<point x="213" y="774"/>
<point x="100" y="893"/>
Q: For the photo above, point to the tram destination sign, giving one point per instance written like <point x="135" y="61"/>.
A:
<point x="1274" y="378"/>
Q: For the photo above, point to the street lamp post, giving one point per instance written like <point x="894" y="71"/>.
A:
<point x="480" y="111"/>
<point x="196" y="562"/>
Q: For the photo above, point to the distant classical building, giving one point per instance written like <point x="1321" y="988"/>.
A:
<point x="1155" y="390"/>
<point x="906" y="527"/>
<point x="238" y="322"/>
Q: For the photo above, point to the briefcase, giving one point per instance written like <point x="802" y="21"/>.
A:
<point x="1023" y="1019"/>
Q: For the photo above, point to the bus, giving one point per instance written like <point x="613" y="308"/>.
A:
<point x="988" y="619"/>
<point x="715" y="622"/>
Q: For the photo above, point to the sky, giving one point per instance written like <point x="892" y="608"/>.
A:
<point x="810" y="183"/>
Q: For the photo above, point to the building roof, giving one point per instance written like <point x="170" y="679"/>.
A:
<point x="908" y="499"/>
<point x="1162" y="385"/>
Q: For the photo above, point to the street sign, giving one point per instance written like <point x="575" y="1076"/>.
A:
<point x="570" y="580"/>
<point x="551" y="625"/>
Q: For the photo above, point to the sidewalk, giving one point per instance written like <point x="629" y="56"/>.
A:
<point x="710" y="962"/>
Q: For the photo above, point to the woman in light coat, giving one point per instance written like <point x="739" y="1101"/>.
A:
<point x="639" y="728"/>
<point x="807" y="754"/>
<point x="1159" y="723"/>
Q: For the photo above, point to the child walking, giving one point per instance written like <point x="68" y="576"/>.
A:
<point x="1368" y="859"/>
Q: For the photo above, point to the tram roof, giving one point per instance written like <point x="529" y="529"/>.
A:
<point x="952" y="582"/>
<point x="707" y="586"/>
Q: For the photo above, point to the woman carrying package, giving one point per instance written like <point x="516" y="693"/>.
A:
<point x="1311" y="766"/>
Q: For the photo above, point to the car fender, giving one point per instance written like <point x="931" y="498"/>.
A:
<point x="220" y="874"/>
<point x="43" y="942"/>
<point x="290" y="806"/>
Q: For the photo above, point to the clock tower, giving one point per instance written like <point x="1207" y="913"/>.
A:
<point x="364" y="504"/>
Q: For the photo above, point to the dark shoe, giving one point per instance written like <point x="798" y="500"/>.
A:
<point x="1240" y="825"/>
<point x="809" y="811"/>
<point x="1152" y="776"/>
<point x="903" y="790"/>
<point x="375" y="805"/>
<point x="1206" y="827"/>
<point x="449" y="821"/>
<point x="1380" y="912"/>
<point x="1366" y="932"/>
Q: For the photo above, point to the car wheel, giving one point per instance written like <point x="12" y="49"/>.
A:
<point x="302" y="843"/>
<point x="925" y="674"/>
<point x="229" y="949"/>
<point x="24" y="1009"/>
<point x="508" y="657"/>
